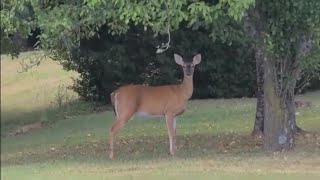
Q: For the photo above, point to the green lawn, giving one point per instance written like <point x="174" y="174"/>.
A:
<point x="32" y="96"/>
<point x="213" y="138"/>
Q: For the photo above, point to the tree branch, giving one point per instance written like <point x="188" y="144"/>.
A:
<point x="305" y="46"/>
<point x="27" y="66"/>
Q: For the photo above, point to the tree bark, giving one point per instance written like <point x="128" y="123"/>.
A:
<point x="279" y="113"/>
<point x="258" y="128"/>
<point x="275" y="116"/>
<point x="258" y="124"/>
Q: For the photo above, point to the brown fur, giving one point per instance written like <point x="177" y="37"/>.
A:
<point x="151" y="99"/>
<point x="167" y="100"/>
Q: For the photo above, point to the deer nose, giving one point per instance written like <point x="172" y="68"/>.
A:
<point x="189" y="72"/>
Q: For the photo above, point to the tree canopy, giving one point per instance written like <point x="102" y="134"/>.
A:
<point x="64" y="23"/>
<point x="288" y="26"/>
<point x="70" y="21"/>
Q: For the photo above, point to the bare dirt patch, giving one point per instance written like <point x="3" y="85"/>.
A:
<point x="28" y="128"/>
<point x="302" y="104"/>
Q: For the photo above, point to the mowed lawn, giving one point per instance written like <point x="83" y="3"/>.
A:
<point x="213" y="137"/>
<point x="32" y="96"/>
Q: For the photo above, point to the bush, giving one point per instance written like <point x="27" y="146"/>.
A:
<point x="107" y="62"/>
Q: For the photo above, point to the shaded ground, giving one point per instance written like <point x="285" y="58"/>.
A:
<point x="189" y="146"/>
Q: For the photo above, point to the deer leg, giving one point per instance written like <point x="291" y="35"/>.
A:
<point x="119" y="122"/>
<point x="171" y="133"/>
<point x="175" y="132"/>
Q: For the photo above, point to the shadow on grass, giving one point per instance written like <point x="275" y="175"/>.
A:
<point x="146" y="148"/>
<point x="11" y="119"/>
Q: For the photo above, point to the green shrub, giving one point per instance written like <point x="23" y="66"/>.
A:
<point x="107" y="62"/>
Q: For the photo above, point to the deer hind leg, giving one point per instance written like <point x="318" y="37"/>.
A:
<point x="170" y="121"/>
<point x="175" y="132"/>
<point x="118" y="123"/>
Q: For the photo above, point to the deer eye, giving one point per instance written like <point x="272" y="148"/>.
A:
<point x="184" y="66"/>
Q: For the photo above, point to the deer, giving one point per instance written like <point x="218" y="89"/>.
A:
<point x="168" y="101"/>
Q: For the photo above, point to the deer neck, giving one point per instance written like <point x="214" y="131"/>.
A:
<point x="187" y="87"/>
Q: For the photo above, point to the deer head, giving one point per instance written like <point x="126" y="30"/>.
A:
<point x="188" y="67"/>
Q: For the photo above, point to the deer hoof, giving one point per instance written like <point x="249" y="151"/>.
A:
<point x="172" y="153"/>
<point x="111" y="156"/>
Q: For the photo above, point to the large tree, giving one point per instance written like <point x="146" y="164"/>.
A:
<point x="284" y="33"/>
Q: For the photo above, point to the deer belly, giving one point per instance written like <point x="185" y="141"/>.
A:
<point x="145" y="114"/>
<point x="180" y="112"/>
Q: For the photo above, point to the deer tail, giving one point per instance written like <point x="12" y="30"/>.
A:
<point x="112" y="96"/>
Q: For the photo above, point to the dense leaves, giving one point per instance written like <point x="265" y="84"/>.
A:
<point x="109" y="61"/>
<point x="81" y="19"/>
<point x="113" y="42"/>
<point x="291" y="37"/>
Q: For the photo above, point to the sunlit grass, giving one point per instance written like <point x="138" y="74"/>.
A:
<point x="32" y="96"/>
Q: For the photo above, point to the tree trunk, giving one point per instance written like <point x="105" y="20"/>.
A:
<point x="258" y="124"/>
<point x="271" y="113"/>
<point x="258" y="127"/>
<point x="279" y="113"/>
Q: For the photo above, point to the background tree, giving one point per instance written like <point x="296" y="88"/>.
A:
<point x="284" y="33"/>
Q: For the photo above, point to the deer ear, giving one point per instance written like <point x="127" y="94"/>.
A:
<point x="197" y="59"/>
<point x="178" y="59"/>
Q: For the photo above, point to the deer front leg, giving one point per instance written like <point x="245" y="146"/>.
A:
<point x="170" y="121"/>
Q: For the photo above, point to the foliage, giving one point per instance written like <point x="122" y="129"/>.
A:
<point x="16" y="24"/>
<point x="291" y="37"/>
<point x="69" y="21"/>
<point x="71" y="30"/>
<point x="131" y="58"/>
<point x="310" y="72"/>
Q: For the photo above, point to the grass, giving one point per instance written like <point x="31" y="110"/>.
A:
<point x="32" y="96"/>
<point x="213" y="139"/>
